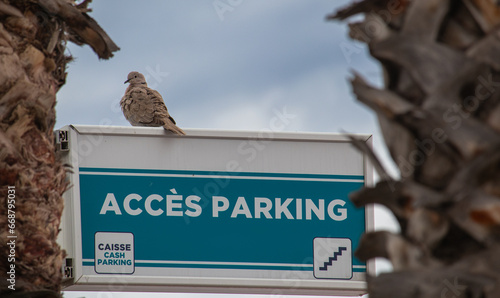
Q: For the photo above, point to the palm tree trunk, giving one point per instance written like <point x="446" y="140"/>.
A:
<point x="440" y="117"/>
<point x="33" y="35"/>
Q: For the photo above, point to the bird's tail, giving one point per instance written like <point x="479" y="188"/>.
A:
<point x="174" y="128"/>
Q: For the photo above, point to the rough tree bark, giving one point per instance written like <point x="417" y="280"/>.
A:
<point x="440" y="117"/>
<point x="33" y="36"/>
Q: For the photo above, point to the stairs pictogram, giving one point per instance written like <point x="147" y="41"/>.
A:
<point x="331" y="259"/>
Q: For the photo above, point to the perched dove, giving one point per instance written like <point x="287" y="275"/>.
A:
<point x="143" y="106"/>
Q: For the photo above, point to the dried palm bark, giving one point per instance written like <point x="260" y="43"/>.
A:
<point x="33" y="37"/>
<point x="440" y="117"/>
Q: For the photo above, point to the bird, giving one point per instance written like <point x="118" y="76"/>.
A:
<point x="143" y="106"/>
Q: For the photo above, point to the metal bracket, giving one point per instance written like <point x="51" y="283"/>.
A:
<point x="62" y="140"/>
<point x="68" y="269"/>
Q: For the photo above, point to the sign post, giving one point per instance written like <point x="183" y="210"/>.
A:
<point x="214" y="211"/>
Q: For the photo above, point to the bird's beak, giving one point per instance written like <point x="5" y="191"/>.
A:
<point x="126" y="81"/>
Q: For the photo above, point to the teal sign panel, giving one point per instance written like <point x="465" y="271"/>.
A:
<point x="133" y="218"/>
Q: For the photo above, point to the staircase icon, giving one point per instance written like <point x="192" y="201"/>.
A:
<point x="332" y="259"/>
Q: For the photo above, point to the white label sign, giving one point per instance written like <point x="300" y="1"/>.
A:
<point x="114" y="253"/>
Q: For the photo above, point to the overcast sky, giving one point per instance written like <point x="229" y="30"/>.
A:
<point x="225" y="64"/>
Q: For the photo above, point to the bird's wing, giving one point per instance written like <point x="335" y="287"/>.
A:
<point x="161" y="111"/>
<point x="137" y="107"/>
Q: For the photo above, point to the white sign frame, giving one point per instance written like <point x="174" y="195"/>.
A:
<point x="84" y="139"/>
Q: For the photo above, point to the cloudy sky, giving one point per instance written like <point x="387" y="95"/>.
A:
<point x="225" y="64"/>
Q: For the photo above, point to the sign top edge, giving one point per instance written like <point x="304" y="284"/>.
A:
<point x="215" y="133"/>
